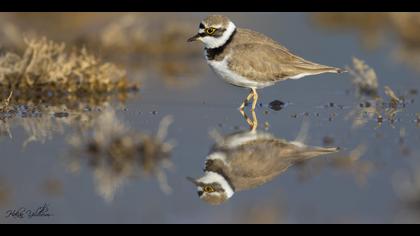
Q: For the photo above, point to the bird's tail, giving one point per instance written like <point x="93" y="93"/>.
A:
<point x="312" y="152"/>
<point x="332" y="70"/>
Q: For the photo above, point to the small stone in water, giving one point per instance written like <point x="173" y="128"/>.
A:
<point x="61" y="114"/>
<point x="414" y="91"/>
<point x="276" y="105"/>
<point x="154" y="112"/>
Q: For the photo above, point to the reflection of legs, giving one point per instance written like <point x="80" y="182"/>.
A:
<point x="255" y="95"/>
<point x="250" y="95"/>
<point x="249" y="121"/>
<point x="253" y="124"/>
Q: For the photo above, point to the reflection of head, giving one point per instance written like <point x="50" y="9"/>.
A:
<point x="245" y="160"/>
<point x="213" y="188"/>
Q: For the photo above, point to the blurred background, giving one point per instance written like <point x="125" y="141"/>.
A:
<point x="103" y="115"/>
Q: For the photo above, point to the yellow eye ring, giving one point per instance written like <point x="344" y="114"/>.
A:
<point x="208" y="189"/>
<point x="210" y="31"/>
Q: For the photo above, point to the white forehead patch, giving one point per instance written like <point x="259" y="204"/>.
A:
<point x="212" y="42"/>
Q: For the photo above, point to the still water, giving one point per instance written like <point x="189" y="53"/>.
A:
<point x="363" y="182"/>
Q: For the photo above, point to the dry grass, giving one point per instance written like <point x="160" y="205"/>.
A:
<point x="47" y="70"/>
<point x="116" y="153"/>
<point x="364" y="78"/>
<point x="125" y="33"/>
<point x="48" y="81"/>
<point x="372" y="28"/>
<point x="147" y="34"/>
<point x="147" y="43"/>
<point x="372" y="105"/>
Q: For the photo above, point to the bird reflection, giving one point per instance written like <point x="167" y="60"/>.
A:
<point x="248" y="159"/>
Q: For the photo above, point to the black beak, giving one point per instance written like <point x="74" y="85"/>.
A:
<point x="194" y="38"/>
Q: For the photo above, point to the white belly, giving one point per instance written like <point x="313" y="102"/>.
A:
<point x="221" y="68"/>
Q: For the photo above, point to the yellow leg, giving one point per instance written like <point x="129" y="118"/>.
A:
<point x="255" y="95"/>
<point x="250" y="95"/>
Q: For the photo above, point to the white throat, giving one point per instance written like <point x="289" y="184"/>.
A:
<point x="211" y="42"/>
<point x="211" y="177"/>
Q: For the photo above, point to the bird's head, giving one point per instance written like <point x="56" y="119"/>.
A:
<point x="213" y="188"/>
<point x="214" y="31"/>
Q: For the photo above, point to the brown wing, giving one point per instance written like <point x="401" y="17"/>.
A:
<point x="258" y="162"/>
<point x="264" y="62"/>
<point x="250" y="36"/>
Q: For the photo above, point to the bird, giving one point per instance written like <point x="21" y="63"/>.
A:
<point x="249" y="59"/>
<point x="247" y="159"/>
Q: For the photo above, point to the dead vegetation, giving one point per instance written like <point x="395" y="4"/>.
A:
<point x="116" y="153"/>
<point x="49" y="81"/>
<point x="47" y="70"/>
<point x="145" y="42"/>
<point x="363" y="78"/>
<point x="372" y="104"/>
<point x="146" y="34"/>
<point x="372" y="28"/>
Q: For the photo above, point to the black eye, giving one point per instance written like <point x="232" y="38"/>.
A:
<point x="210" y="31"/>
<point x="201" y="26"/>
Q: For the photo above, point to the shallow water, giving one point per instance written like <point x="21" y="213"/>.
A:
<point x="327" y="189"/>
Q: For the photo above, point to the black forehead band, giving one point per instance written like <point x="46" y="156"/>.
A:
<point x="202" y="26"/>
